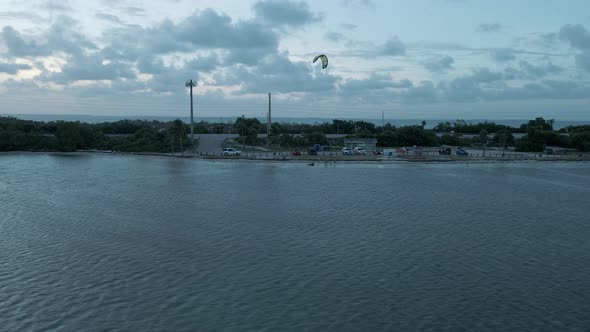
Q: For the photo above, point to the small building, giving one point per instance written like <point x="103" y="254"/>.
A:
<point x="369" y="144"/>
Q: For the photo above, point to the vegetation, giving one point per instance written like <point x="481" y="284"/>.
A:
<point x="461" y="126"/>
<point x="157" y="136"/>
<point x="124" y="136"/>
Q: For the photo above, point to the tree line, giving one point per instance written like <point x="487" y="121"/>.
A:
<point x="138" y="136"/>
<point x="159" y="136"/>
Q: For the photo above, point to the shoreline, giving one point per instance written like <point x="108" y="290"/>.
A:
<point x="319" y="160"/>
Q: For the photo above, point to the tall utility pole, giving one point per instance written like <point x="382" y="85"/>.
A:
<point x="190" y="84"/>
<point x="382" y="121"/>
<point x="268" y="121"/>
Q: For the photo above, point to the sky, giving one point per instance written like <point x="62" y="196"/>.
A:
<point x="406" y="59"/>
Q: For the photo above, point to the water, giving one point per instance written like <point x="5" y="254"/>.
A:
<point x="122" y="243"/>
<point x="430" y="123"/>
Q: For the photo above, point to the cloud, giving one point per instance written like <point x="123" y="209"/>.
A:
<point x="57" y="5"/>
<point x="360" y="3"/>
<point x="393" y="46"/>
<point x="18" y="15"/>
<point x="334" y="36"/>
<point x="583" y="60"/>
<point x="19" y="46"/>
<point x="278" y="73"/>
<point x="469" y="87"/>
<point x="285" y="13"/>
<point x="425" y="92"/>
<point x="203" y="64"/>
<point x="374" y="82"/>
<point x="91" y="68"/>
<point x="502" y="54"/>
<point x="133" y="11"/>
<point x="62" y="36"/>
<point x="537" y="71"/>
<point x="113" y="19"/>
<point x="242" y="42"/>
<point x="489" y="27"/>
<point x="12" y="68"/>
<point x="440" y="65"/>
<point x="576" y="35"/>
<point x="349" y="26"/>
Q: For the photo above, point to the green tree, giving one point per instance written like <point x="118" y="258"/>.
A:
<point x="387" y="139"/>
<point x="252" y="137"/>
<point x="483" y="136"/>
<point x="315" y="138"/>
<point x="178" y="135"/>
<point x="448" y="139"/>
<point x="503" y="137"/>
<point x="69" y="136"/>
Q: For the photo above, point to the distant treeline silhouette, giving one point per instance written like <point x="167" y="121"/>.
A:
<point x="159" y="136"/>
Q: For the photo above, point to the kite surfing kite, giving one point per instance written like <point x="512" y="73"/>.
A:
<point x="324" y="60"/>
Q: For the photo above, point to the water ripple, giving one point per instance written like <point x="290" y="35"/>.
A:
<point x="105" y="243"/>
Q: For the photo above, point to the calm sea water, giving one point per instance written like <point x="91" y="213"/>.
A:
<point x="122" y="243"/>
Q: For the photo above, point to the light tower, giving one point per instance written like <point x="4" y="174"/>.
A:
<point x="190" y="84"/>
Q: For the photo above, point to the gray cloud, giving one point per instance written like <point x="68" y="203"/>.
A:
<point x="485" y="85"/>
<point x="148" y="64"/>
<point x="537" y="71"/>
<point x="18" y="46"/>
<point x="425" y="92"/>
<point x="278" y="73"/>
<point x="583" y="60"/>
<point x="203" y="64"/>
<point x="22" y="16"/>
<point x="502" y="54"/>
<point x="285" y="13"/>
<point x="469" y="87"/>
<point x="334" y="36"/>
<point x="489" y="27"/>
<point x="361" y="3"/>
<point x="212" y="30"/>
<point x="113" y="19"/>
<point x="440" y="65"/>
<point x="133" y="11"/>
<point x="576" y="35"/>
<point x="12" y="68"/>
<point x="60" y="37"/>
<point x="57" y="5"/>
<point x="374" y="82"/>
<point x="393" y="46"/>
<point x="243" y="41"/>
<point x="90" y="68"/>
<point x="349" y="26"/>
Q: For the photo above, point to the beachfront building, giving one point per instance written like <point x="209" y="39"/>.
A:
<point x="369" y="144"/>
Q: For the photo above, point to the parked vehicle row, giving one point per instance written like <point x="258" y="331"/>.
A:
<point x="311" y="152"/>
<point x="356" y="151"/>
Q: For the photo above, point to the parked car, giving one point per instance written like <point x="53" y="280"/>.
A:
<point x="346" y="151"/>
<point x="231" y="152"/>
<point x="445" y="151"/>
<point x="312" y="152"/>
<point x="295" y="152"/>
<point x="462" y="152"/>
<point x="359" y="150"/>
<point x="378" y="152"/>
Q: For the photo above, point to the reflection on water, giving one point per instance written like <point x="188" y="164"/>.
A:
<point x="98" y="242"/>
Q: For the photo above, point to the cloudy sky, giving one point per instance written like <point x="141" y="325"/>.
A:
<point x="419" y="59"/>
